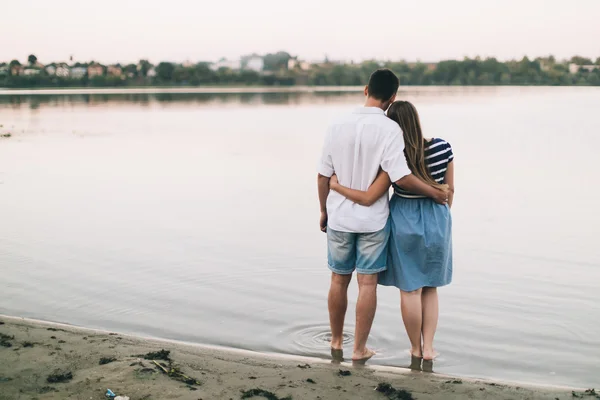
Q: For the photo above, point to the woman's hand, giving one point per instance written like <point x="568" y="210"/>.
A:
<point x="333" y="182"/>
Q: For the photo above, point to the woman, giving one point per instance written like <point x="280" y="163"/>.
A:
<point x="420" y="248"/>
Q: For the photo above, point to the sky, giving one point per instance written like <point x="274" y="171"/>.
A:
<point x="176" y="30"/>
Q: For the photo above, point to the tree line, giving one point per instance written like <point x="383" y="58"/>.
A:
<point x="469" y="71"/>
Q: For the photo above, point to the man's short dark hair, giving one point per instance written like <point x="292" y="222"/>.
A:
<point x="383" y="84"/>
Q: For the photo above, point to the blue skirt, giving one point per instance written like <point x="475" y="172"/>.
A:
<point x="420" y="246"/>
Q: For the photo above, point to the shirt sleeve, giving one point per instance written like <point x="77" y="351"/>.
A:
<point x="325" y="167"/>
<point x="394" y="162"/>
<point x="450" y="153"/>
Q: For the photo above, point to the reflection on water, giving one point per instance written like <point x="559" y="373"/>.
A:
<point x="193" y="216"/>
<point x="173" y="99"/>
<point x="284" y="98"/>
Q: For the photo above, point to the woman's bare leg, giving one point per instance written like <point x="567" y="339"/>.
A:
<point x="429" y="300"/>
<point x="412" y="315"/>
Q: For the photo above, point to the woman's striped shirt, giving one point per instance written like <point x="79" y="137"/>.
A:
<point x="438" y="154"/>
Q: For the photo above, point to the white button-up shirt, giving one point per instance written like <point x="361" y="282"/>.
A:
<point x="356" y="146"/>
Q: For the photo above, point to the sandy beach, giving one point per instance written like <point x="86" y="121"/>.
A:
<point x="49" y="361"/>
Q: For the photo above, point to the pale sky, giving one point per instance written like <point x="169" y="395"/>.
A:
<point x="178" y="30"/>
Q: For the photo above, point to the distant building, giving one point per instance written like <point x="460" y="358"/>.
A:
<point x="78" y="72"/>
<point x="3" y="69"/>
<point x="575" y="68"/>
<point x="234" y="65"/>
<point x="151" y="73"/>
<point x="63" y="71"/>
<point x="95" y="69"/>
<point x="51" y="70"/>
<point x="114" y="70"/>
<point x="255" y="63"/>
<point x="16" y="70"/>
<point x="31" y="71"/>
<point x="545" y="66"/>
<point x="294" y="63"/>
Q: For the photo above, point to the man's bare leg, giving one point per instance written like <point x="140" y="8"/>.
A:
<point x="429" y="301"/>
<point x="412" y="315"/>
<point x="365" y="313"/>
<point x="338" y="303"/>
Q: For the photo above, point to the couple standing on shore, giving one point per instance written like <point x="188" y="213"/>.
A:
<point x="403" y="242"/>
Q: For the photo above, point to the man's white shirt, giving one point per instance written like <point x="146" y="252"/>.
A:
<point x="356" y="146"/>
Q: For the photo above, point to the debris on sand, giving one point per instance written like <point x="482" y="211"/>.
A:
<point x="5" y="340"/>
<point x="303" y="366"/>
<point x="175" y="373"/>
<point x="1" y="323"/>
<point x="393" y="393"/>
<point x="60" y="376"/>
<point x="107" y="360"/>
<point x="47" y="389"/>
<point x="309" y="380"/>
<point x="263" y="393"/>
<point x="344" y="372"/>
<point x="455" y="382"/>
<point x="27" y="344"/>
<point x="588" y="392"/>
<point x="156" y="355"/>
<point x="592" y="392"/>
<point x="6" y="135"/>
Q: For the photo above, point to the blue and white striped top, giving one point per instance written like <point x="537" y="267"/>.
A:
<point x="438" y="154"/>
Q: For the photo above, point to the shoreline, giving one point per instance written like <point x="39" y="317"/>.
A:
<point x="261" y="89"/>
<point x="37" y="348"/>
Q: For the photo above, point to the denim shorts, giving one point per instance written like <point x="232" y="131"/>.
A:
<point x="365" y="252"/>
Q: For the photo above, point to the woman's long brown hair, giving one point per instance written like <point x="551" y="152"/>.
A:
<point x="406" y="115"/>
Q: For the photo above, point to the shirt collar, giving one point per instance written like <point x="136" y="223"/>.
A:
<point x="369" y="110"/>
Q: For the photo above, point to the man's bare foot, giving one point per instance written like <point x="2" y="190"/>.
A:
<point x="429" y="354"/>
<point x="337" y="355"/>
<point x="362" y="356"/>
<point x="337" y="344"/>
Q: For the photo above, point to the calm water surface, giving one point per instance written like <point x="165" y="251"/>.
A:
<point x="194" y="217"/>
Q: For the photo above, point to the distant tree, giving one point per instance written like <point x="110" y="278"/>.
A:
<point x="598" y="61"/>
<point x="32" y="59"/>
<point x="14" y="63"/>
<point x="581" y="60"/>
<point x="165" y="71"/>
<point x="277" y="61"/>
<point x="130" y="70"/>
<point x="144" y="67"/>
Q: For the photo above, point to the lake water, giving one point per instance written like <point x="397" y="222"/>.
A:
<point x="195" y="217"/>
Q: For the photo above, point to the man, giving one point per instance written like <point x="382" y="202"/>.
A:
<point x="356" y="147"/>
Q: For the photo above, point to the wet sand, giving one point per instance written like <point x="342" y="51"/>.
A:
<point x="34" y="353"/>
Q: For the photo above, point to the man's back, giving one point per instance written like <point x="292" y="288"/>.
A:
<point x="355" y="148"/>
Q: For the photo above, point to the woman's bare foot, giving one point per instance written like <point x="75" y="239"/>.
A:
<point x="415" y="363"/>
<point x="417" y="353"/>
<point x="362" y="356"/>
<point x="429" y="354"/>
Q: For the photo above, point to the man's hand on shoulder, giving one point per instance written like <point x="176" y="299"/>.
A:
<point x="440" y="196"/>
